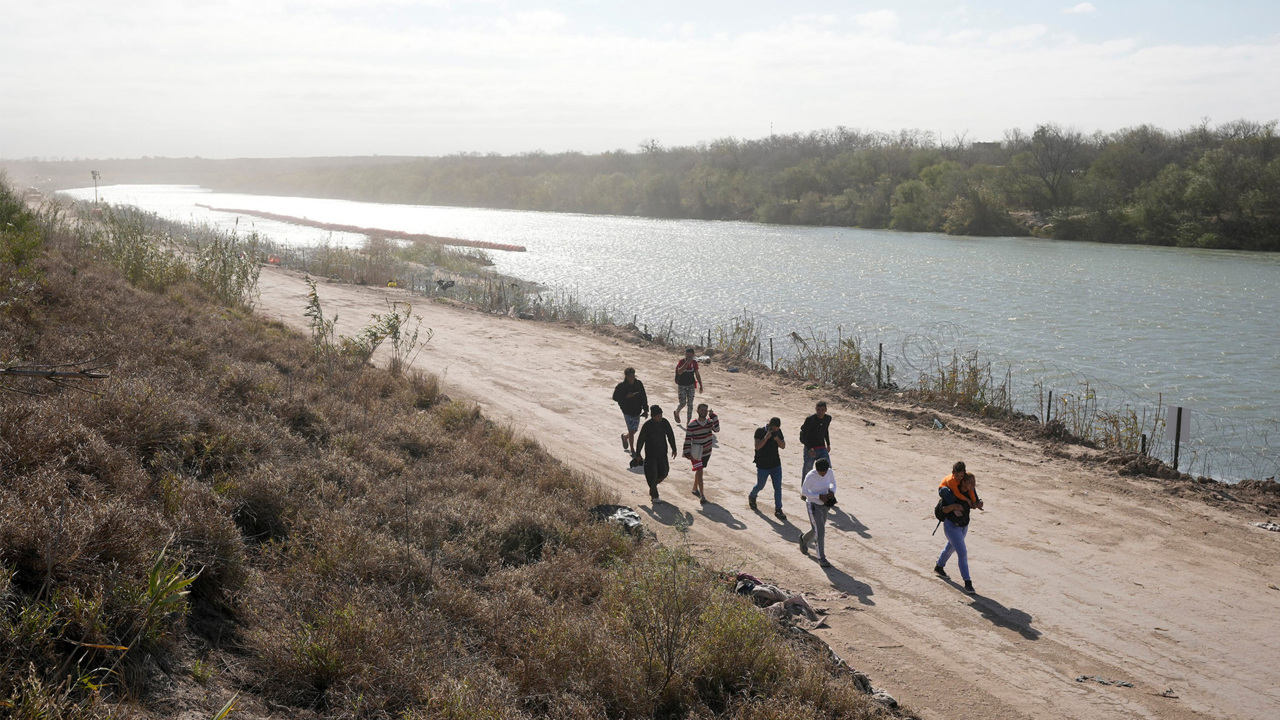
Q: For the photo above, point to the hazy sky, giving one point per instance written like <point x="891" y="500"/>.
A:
<point x="232" y="78"/>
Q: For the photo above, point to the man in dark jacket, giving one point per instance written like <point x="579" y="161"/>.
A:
<point x="769" y="441"/>
<point x="815" y="437"/>
<point x="655" y="436"/>
<point x="630" y="396"/>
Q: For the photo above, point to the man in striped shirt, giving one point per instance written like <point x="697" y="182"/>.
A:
<point x="697" y="445"/>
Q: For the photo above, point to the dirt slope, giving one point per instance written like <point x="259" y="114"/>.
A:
<point x="1079" y="571"/>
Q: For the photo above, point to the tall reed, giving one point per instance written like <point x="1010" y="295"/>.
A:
<point x="967" y="381"/>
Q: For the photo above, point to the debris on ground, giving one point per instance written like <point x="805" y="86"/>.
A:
<point x="801" y="618"/>
<point x="1267" y="526"/>
<point x="620" y="514"/>
<point x="783" y="606"/>
<point x="860" y="679"/>
<point x="1101" y="681"/>
<point x="884" y="698"/>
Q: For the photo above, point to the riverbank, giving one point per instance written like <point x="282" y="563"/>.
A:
<point x="222" y="514"/>
<point x="1102" y="328"/>
<point x="1080" y="571"/>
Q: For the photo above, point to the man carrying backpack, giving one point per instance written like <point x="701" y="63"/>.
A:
<point x="631" y="399"/>
<point x="958" y="494"/>
<point x="688" y="382"/>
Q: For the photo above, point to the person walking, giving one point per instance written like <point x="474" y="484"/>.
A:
<point x="698" y="439"/>
<point x="654" y="437"/>
<point x="688" y="384"/>
<point x="769" y="441"/>
<point x="631" y="399"/>
<point x="819" y="491"/>
<point x="815" y="438"/>
<point x="958" y="493"/>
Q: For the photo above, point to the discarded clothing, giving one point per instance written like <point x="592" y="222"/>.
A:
<point x="766" y="595"/>
<point x="797" y="605"/>
<point x="620" y="514"/>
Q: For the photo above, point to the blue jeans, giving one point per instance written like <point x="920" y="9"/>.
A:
<point x="809" y="461"/>
<point x="762" y="475"/>
<point x="955" y="543"/>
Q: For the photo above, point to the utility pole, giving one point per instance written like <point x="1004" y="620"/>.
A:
<point x="95" y="185"/>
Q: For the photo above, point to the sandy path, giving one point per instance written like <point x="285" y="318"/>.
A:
<point x="1080" y="572"/>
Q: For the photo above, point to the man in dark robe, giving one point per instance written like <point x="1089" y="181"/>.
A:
<point x="654" y="438"/>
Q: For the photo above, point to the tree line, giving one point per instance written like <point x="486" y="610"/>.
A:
<point x="1205" y="186"/>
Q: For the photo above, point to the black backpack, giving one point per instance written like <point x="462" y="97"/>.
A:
<point x="960" y="521"/>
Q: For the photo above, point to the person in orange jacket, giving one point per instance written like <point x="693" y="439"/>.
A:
<point x="959" y="495"/>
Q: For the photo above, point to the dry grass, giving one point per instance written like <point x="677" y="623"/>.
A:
<point x="355" y="546"/>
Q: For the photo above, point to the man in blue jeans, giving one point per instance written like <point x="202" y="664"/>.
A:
<point x="769" y="441"/>
<point x="815" y="437"/>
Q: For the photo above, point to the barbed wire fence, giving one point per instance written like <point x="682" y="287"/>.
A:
<point x="937" y="364"/>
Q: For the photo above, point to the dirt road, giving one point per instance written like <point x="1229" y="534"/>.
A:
<point x="1078" y="571"/>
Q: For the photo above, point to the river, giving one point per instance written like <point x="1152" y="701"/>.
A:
<point x="1199" y="328"/>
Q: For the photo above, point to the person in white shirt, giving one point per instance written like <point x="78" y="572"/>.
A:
<point x="819" y="492"/>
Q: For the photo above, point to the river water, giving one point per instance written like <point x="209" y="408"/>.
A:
<point x="1199" y="328"/>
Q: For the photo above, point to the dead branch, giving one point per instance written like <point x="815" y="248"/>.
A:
<point x="51" y="374"/>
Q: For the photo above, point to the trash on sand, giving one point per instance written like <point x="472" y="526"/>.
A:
<point x="734" y="368"/>
<point x="1267" y="526"/>
<point x="937" y="424"/>
<point x="786" y="608"/>
<point x="1099" y="679"/>
<point x="621" y="514"/>
<point x="884" y="698"/>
